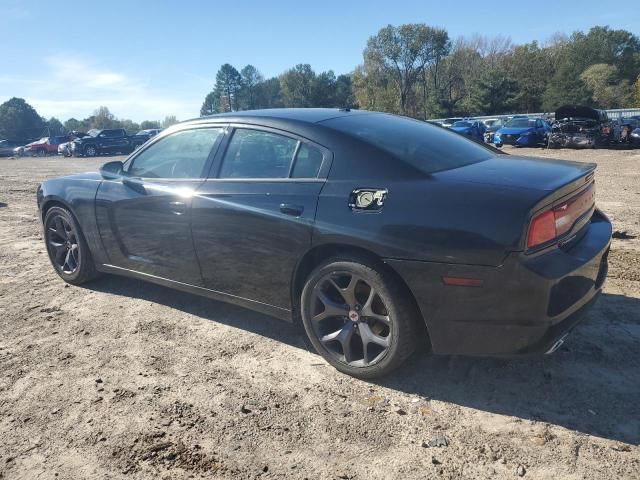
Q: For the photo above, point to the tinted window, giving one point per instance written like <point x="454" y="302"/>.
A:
<point x="308" y="162"/>
<point x="180" y="155"/>
<point x="420" y="144"/>
<point x="257" y="154"/>
<point x="462" y="124"/>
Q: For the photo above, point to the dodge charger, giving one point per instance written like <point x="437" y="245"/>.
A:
<point x="378" y="234"/>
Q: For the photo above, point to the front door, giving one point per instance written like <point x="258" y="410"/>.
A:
<point x="144" y="216"/>
<point x="253" y="220"/>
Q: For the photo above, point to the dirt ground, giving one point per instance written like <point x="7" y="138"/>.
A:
<point x="123" y="379"/>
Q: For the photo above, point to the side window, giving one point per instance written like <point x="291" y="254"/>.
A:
<point x="180" y="155"/>
<point x="308" y="162"/>
<point x="257" y="154"/>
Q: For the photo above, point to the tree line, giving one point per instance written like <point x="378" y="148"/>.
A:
<point x="415" y="70"/>
<point x="19" y="121"/>
<point x="418" y="70"/>
<point x="299" y="86"/>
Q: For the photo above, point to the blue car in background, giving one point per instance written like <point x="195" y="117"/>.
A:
<point x="470" y="128"/>
<point x="523" y="132"/>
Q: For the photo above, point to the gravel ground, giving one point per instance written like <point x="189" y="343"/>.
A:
<point x="123" y="379"/>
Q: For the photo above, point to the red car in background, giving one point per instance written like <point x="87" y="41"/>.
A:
<point x="45" y="146"/>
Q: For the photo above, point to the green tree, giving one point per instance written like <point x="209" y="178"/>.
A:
<point x="55" y="126"/>
<point x="251" y="79"/>
<point x="75" y="125"/>
<point x="228" y="85"/>
<point x="19" y="120"/>
<point x="530" y="67"/>
<point x="401" y="53"/>
<point x="297" y="86"/>
<point x="147" y="124"/>
<point x="494" y="93"/>
<point x="102" y="118"/>
<point x="268" y="94"/>
<point x="344" y="92"/>
<point x="168" y="121"/>
<point x="608" y="91"/>
<point x="324" y="90"/>
<point x="130" y="126"/>
<point x="636" y="95"/>
<point x="210" y="104"/>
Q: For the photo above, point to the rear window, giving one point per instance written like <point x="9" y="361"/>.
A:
<point x="426" y="147"/>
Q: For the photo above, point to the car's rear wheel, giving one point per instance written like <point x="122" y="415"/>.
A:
<point x="90" y="151"/>
<point x="67" y="247"/>
<point x="361" y="321"/>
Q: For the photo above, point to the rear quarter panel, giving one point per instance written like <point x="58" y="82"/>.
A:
<point x="428" y="219"/>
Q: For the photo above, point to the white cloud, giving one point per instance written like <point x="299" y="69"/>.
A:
<point x="70" y="86"/>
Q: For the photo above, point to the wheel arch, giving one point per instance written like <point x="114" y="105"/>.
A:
<point x="318" y="254"/>
<point x="54" y="202"/>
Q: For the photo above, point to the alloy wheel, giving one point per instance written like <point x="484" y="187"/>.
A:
<point x="350" y="319"/>
<point x="62" y="244"/>
<point x="91" y="151"/>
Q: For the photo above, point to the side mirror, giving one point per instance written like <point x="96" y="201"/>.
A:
<point x="112" y="170"/>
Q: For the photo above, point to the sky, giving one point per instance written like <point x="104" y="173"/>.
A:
<point x="148" y="59"/>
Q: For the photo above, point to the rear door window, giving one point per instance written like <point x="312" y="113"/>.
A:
<point x="258" y="154"/>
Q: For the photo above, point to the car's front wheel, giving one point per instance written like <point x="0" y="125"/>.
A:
<point x="361" y="321"/>
<point x="67" y="247"/>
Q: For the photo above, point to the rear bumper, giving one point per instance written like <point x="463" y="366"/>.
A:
<point x="523" y="307"/>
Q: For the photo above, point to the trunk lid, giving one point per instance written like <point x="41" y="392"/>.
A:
<point x="544" y="175"/>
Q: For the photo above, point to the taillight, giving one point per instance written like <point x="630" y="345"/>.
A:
<point x="542" y="229"/>
<point x="606" y="130"/>
<point x="557" y="221"/>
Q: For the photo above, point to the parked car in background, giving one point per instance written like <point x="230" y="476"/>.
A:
<point x="66" y="147"/>
<point x="522" y="132"/>
<point x="579" y="126"/>
<point x="635" y="137"/>
<point x="447" y="122"/>
<point x="97" y="142"/>
<point x="7" y="148"/>
<point x="379" y="233"/>
<point x="45" y="146"/>
<point x="622" y="128"/>
<point x="473" y="129"/>
<point x="492" y="125"/>
<point x="143" y="135"/>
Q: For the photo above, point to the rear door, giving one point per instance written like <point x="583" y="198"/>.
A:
<point x="144" y="216"/>
<point x="252" y="219"/>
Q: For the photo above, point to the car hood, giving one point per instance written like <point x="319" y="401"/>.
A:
<point x="460" y="129"/>
<point x="514" y="130"/>
<point x="511" y="171"/>
<point x="576" y="111"/>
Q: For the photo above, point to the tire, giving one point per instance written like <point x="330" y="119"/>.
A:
<point x="90" y="151"/>
<point x="67" y="248"/>
<point x="371" y="336"/>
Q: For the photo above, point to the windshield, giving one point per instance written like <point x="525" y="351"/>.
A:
<point x="428" y="148"/>
<point x="462" y="124"/>
<point x="520" y="123"/>
<point x="93" y="132"/>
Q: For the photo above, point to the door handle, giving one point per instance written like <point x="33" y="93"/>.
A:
<point x="178" y="208"/>
<point x="291" y="209"/>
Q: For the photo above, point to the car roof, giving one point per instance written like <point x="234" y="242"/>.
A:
<point x="306" y="115"/>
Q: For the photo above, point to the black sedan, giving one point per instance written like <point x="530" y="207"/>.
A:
<point x="377" y="233"/>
